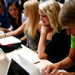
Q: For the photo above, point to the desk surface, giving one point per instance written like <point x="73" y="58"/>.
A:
<point x="42" y="62"/>
<point x="4" y="62"/>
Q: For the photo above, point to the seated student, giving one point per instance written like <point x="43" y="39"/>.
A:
<point x="31" y="27"/>
<point x="58" y="42"/>
<point x="66" y="19"/>
<point x="15" y="15"/>
<point x="4" y="19"/>
<point x="14" y="12"/>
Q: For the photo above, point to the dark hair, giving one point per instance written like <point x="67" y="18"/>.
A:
<point x="22" y="2"/>
<point x="12" y="20"/>
<point x="67" y="14"/>
<point x="2" y="2"/>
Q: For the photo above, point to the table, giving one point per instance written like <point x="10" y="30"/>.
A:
<point x="4" y="62"/>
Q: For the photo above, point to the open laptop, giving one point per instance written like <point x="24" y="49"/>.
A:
<point x="16" y="67"/>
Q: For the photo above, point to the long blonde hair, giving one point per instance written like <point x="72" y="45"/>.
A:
<point x="32" y="7"/>
<point x="51" y="9"/>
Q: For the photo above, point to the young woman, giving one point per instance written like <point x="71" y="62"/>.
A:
<point x="31" y="27"/>
<point x="14" y="12"/>
<point x="58" y="42"/>
<point x="15" y="16"/>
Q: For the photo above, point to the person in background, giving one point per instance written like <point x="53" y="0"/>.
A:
<point x="31" y="27"/>
<point x="58" y="42"/>
<point x="4" y="19"/>
<point x="14" y="12"/>
<point x="67" y="19"/>
<point x="15" y="16"/>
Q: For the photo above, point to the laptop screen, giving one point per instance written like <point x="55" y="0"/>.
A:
<point x="16" y="69"/>
<point x="22" y="67"/>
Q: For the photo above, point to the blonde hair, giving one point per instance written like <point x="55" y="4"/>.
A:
<point x="32" y="7"/>
<point x="51" y="9"/>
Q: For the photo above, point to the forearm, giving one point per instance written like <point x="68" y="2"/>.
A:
<point x="72" y="73"/>
<point x="23" y="38"/>
<point x="17" y="31"/>
<point x="5" y="30"/>
<point x="66" y="63"/>
<point x="41" y="52"/>
<point x="12" y="33"/>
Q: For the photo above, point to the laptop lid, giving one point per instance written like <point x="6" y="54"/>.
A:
<point x="16" y="67"/>
<point x="31" y="65"/>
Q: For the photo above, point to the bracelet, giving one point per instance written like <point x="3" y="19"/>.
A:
<point x="5" y="35"/>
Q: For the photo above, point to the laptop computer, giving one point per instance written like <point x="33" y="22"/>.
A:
<point x="16" y="67"/>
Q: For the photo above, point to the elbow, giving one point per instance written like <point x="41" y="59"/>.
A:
<point x="41" y="56"/>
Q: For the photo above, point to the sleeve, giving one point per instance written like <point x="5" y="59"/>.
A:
<point x="72" y="41"/>
<point x="8" y="21"/>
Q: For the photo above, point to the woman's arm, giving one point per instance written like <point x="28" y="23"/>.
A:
<point x="15" y="32"/>
<point x="42" y="42"/>
<point x="24" y="38"/>
<point x="65" y="73"/>
<point x="4" y="30"/>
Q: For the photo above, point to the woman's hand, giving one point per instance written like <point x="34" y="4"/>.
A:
<point x="2" y="34"/>
<point x="4" y="30"/>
